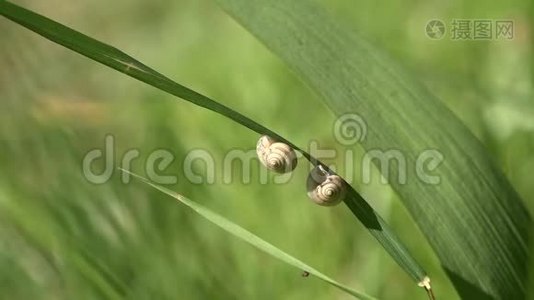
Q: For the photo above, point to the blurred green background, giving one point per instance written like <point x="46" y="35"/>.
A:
<point x="62" y="237"/>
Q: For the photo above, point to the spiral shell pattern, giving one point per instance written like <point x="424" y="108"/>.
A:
<point x="276" y="156"/>
<point x="325" y="189"/>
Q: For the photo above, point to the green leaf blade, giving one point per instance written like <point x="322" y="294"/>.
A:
<point x="474" y="220"/>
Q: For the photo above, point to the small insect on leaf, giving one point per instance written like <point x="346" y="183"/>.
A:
<point x="305" y="274"/>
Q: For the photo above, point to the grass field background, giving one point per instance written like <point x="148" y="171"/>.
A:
<point x="62" y="237"/>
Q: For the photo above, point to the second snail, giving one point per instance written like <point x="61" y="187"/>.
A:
<point x="324" y="188"/>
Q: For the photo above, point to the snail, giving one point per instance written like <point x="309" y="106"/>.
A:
<point x="276" y="156"/>
<point x="325" y="189"/>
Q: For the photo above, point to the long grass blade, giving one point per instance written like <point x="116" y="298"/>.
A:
<point x="251" y="238"/>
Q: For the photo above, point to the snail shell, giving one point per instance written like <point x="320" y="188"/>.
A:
<point x="325" y="189"/>
<point x="276" y="156"/>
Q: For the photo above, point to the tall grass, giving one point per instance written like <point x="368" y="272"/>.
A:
<point x="58" y="219"/>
